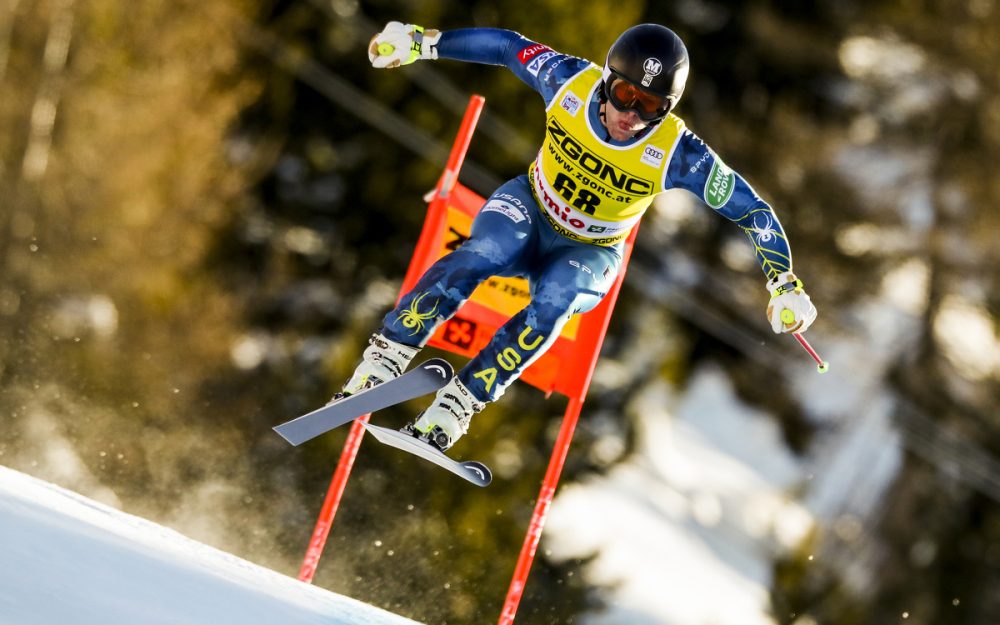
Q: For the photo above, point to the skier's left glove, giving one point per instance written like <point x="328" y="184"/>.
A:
<point x="401" y="44"/>
<point x="790" y="309"/>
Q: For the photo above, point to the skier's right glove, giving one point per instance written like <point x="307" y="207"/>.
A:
<point x="790" y="309"/>
<point x="401" y="44"/>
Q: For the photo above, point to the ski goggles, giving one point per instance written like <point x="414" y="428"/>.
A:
<point x="627" y="97"/>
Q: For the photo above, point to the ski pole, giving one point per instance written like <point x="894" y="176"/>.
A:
<point x="821" y="365"/>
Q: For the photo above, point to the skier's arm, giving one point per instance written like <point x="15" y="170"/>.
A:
<point x="697" y="169"/>
<point x="537" y="65"/>
<point x="489" y="46"/>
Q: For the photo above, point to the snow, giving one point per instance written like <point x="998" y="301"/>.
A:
<point x="68" y="559"/>
<point x="687" y="529"/>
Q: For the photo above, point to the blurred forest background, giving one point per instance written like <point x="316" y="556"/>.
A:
<point x="207" y="205"/>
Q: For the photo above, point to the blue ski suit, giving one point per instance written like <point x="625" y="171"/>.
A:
<point x="549" y="232"/>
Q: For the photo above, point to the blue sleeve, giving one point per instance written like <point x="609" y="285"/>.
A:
<point x="696" y="168"/>
<point x="525" y="58"/>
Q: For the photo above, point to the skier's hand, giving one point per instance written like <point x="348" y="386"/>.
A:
<point x="790" y="309"/>
<point x="401" y="44"/>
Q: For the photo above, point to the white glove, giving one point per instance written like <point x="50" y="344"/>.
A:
<point x="790" y="309"/>
<point x="401" y="44"/>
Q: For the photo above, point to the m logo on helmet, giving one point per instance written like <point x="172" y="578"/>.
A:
<point x="652" y="67"/>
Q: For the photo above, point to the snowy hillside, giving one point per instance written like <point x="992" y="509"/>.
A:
<point x="697" y="515"/>
<point x="69" y="560"/>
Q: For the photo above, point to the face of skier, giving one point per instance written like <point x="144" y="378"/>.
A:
<point x="621" y="125"/>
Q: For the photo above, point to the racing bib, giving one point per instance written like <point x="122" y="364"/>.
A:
<point x="590" y="190"/>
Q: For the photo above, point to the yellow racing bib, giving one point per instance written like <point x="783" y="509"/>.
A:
<point x="589" y="189"/>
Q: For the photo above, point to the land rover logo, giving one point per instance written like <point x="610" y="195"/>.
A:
<point x="719" y="185"/>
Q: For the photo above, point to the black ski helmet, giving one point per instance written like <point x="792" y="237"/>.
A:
<point x="652" y="57"/>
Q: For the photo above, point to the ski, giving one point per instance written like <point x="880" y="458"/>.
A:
<point x="475" y="472"/>
<point x="426" y="378"/>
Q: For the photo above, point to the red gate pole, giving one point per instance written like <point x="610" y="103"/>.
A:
<point x="541" y="512"/>
<point x="561" y="449"/>
<point x="332" y="501"/>
<point x="461" y="146"/>
<point x="339" y="482"/>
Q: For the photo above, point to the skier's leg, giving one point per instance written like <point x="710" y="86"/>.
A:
<point x="574" y="280"/>
<point x="500" y="236"/>
<point x="383" y="359"/>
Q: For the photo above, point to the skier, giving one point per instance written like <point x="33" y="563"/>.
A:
<point x="611" y="145"/>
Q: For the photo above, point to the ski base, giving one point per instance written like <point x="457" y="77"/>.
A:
<point x="426" y="378"/>
<point x="470" y="470"/>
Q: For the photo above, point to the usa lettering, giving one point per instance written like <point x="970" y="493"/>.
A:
<point x="511" y="357"/>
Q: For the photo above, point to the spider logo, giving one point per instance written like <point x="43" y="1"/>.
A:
<point x="413" y="319"/>
<point x="766" y="232"/>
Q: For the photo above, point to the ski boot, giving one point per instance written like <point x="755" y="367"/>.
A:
<point x="382" y="360"/>
<point x="447" y="418"/>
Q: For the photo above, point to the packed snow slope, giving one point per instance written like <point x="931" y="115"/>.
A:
<point x="65" y="559"/>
